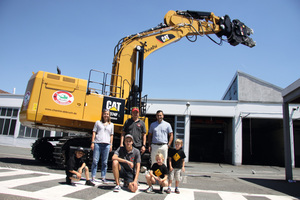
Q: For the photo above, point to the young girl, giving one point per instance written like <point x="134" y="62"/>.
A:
<point x="102" y="141"/>
<point x="158" y="174"/>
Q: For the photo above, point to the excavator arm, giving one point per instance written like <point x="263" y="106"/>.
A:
<point x="132" y="50"/>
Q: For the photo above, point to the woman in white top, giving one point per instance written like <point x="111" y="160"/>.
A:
<point x="102" y="141"/>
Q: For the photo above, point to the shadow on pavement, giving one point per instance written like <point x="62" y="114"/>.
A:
<point x="292" y="189"/>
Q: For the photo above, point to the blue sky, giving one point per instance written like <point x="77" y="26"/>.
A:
<point x="79" y="35"/>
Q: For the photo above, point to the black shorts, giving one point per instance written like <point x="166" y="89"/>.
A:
<point x="127" y="175"/>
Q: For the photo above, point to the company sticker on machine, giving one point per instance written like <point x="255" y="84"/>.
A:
<point x="26" y="99"/>
<point x="116" y="108"/>
<point x="165" y="38"/>
<point x="62" y="97"/>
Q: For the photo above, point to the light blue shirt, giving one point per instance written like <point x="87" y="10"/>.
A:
<point x="160" y="132"/>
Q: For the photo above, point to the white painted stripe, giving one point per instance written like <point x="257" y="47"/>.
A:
<point x="60" y="190"/>
<point x="231" y="196"/>
<point x="22" y="193"/>
<point x="273" y="197"/>
<point x="184" y="194"/>
<point x="14" y="173"/>
<point x="122" y="194"/>
<point x="30" y="180"/>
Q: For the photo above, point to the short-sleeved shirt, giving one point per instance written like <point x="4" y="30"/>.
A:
<point x="74" y="163"/>
<point x="159" y="170"/>
<point x="160" y="131"/>
<point x="132" y="156"/>
<point x="177" y="157"/>
<point x="136" y="129"/>
<point x="103" y="132"/>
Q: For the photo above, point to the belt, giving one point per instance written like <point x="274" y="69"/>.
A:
<point x="159" y="143"/>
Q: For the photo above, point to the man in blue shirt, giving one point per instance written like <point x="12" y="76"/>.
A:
<point x="160" y="137"/>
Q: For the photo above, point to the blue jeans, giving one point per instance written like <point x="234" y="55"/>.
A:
<point x="103" y="150"/>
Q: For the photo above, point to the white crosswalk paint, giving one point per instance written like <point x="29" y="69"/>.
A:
<point x="25" y="181"/>
<point x="184" y="194"/>
<point x="14" y="173"/>
<point x="231" y="196"/>
<point x="60" y="191"/>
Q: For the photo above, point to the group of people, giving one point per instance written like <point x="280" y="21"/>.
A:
<point x="126" y="161"/>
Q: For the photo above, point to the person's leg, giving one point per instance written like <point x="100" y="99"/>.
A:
<point x="68" y="175"/>
<point x="178" y="179"/>
<point x="148" y="179"/>
<point x="88" y="181"/>
<point x="116" y="168"/>
<point x="170" y="178"/>
<point x="154" y="150"/>
<point x="96" y="156"/>
<point x="150" y="182"/>
<point x="164" y="150"/>
<point x="104" y="158"/>
<point x="86" y="172"/>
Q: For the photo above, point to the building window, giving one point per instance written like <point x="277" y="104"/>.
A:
<point x="8" y="120"/>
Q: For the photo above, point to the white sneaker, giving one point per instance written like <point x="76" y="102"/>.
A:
<point x="117" y="188"/>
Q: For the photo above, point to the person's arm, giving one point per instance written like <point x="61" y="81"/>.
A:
<point x="93" y="140"/>
<point x="143" y="149"/>
<point x="170" y="139"/>
<point x="137" y="172"/>
<point x="79" y="172"/>
<point x="170" y="164"/>
<point x="81" y="168"/>
<point x="149" y="140"/>
<point x="121" y="160"/>
<point x="183" y="164"/>
<point x="122" y="139"/>
<point x="111" y="142"/>
<point x="165" y="178"/>
<point x="152" y="175"/>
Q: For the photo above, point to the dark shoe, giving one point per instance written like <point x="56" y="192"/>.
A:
<point x="161" y="190"/>
<point x="168" y="191"/>
<point x="177" y="191"/>
<point x="88" y="182"/>
<point x="125" y="184"/>
<point x="68" y="181"/>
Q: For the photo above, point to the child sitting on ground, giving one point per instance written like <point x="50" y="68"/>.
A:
<point x="176" y="165"/>
<point x="158" y="174"/>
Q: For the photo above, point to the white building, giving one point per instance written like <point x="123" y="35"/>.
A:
<point x="246" y="127"/>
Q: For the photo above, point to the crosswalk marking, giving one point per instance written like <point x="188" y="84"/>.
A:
<point x="64" y="192"/>
<point x="14" y="173"/>
<point x="25" y="181"/>
<point x="231" y="196"/>
<point x="184" y="194"/>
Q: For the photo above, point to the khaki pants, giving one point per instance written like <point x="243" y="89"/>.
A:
<point x="155" y="149"/>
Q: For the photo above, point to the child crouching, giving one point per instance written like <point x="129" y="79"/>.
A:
<point x="158" y="174"/>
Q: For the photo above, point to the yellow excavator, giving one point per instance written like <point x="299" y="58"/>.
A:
<point x="62" y="103"/>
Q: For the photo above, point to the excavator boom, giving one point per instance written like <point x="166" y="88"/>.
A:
<point x="177" y="24"/>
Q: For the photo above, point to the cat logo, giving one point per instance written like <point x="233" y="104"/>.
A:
<point x="116" y="108"/>
<point x="113" y="106"/>
<point x="165" y="38"/>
